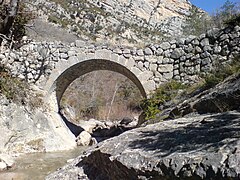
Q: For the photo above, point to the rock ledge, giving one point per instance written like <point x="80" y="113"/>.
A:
<point x="203" y="147"/>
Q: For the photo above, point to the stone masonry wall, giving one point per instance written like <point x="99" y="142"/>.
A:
<point x="180" y="60"/>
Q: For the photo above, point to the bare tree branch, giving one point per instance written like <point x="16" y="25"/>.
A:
<point x="3" y="36"/>
<point x="8" y="21"/>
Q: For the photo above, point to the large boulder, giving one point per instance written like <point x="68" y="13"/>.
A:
<point x="224" y="97"/>
<point x="85" y="139"/>
<point x="201" y="147"/>
<point x="27" y="130"/>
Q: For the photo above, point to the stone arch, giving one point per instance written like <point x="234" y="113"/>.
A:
<point x="66" y="72"/>
<point x="61" y="79"/>
<point x="77" y="70"/>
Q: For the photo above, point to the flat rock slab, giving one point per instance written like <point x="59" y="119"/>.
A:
<point x="202" y="147"/>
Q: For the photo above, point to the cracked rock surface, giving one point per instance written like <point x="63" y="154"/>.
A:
<point x="203" y="147"/>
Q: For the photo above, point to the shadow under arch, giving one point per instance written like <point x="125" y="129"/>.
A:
<point x="84" y="67"/>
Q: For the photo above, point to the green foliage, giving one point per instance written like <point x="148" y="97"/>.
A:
<point x="235" y="20"/>
<point x="18" y="28"/>
<point x="91" y="109"/>
<point x="18" y="91"/>
<point x="226" y="15"/>
<point x="12" y="88"/>
<point x="197" y="23"/>
<point x="163" y="94"/>
<point x="150" y="107"/>
<point x="221" y="72"/>
<point x="53" y="19"/>
<point x="228" y="10"/>
<point x="20" y="21"/>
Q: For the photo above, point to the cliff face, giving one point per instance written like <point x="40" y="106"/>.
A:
<point x="153" y="11"/>
<point x="117" y="21"/>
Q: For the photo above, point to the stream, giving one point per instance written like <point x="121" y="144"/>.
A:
<point x="38" y="165"/>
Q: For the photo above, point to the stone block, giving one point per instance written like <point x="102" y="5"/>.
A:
<point x="217" y="49"/>
<point x="153" y="67"/>
<point x="117" y="51"/>
<point x="177" y="53"/>
<point x="80" y="43"/>
<point x="140" y="64"/>
<point x="146" y="64"/>
<point x="127" y="53"/>
<point x="159" y="52"/>
<point x="114" y="57"/>
<point x="2" y="56"/>
<point x="140" y="52"/>
<point x="198" y="49"/>
<point x="130" y="62"/>
<point x="165" y="68"/>
<point x="148" y="51"/>
<point x="71" y="53"/>
<point x="151" y="59"/>
<point x="223" y="37"/>
<point x="103" y="54"/>
<point x="168" y="75"/>
<point x="149" y="86"/>
<point x="122" y="60"/>
<point x="165" y="45"/>
<point x="144" y="76"/>
<point x="165" y="61"/>
<point x="159" y="59"/>
<point x="204" y="42"/>
<point x="136" y="71"/>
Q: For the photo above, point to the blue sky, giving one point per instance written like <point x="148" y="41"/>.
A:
<point x="210" y="5"/>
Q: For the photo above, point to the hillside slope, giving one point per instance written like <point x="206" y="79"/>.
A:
<point x="116" y="21"/>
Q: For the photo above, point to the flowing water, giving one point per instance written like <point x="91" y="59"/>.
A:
<point x="37" y="166"/>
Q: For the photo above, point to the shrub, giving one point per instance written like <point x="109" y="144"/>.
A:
<point x="17" y="29"/>
<point x="18" y="91"/>
<point x="11" y="87"/>
<point x="20" y="21"/>
<point x="226" y="14"/>
<point x="197" y="22"/>
<point x="221" y="72"/>
<point x="235" y="20"/>
<point x="163" y="94"/>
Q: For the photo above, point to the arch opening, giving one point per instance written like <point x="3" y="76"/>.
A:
<point x="81" y="68"/>
<point x="101" y="95"/>
<point x="62" y="82"/>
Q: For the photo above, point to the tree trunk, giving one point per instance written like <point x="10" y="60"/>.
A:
<point x="113" y="98"/>
<point x="7" y="23"/>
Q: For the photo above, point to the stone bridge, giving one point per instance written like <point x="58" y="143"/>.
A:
<point x="52" y="66"/>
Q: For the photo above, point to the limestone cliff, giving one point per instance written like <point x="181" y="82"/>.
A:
<point x="116" y="21"/>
